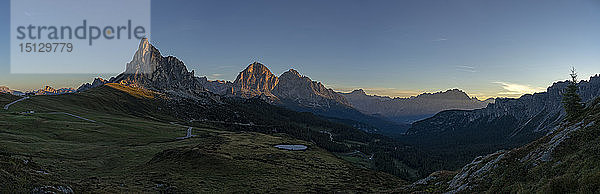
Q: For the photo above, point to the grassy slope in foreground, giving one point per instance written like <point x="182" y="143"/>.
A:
<point x="566" y="160"/>
<point x="132" y="147"/>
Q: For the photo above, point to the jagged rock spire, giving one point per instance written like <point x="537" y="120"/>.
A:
<point x="144" y="60"/>
<point x="149" y="69"/>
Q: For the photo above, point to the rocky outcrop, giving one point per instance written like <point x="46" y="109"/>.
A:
<point x="149" y="69"/>
<point x="408" y="110"/>
<point x="96" y="83"/>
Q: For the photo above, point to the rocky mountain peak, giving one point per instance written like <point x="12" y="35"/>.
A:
<point x="48" y="89"/>
<point x="291" y="73"/>
<point x="256" y="79"/>
<point x="300" y="88"/>
<point x="359" y="92"/>
<point x="149" y="69"/>
<point x="144" y="60"/>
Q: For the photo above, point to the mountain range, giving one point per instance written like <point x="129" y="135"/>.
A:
<point x="47" y="90"/>
<point x="149" y="69"/>
<point x="408" y="110"/>
<point x="51" y="91"/>
<point x="505" y="124"/>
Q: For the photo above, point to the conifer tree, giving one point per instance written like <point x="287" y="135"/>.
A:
<point x="571" y="100"/>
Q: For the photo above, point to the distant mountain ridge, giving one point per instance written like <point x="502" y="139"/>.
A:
<point x="47" y="90"/>
<point x="4" y="89"/>
<point x="505" y="124"/>
<point x="534" y="112"/>
<point x="407" y="110"/>
<point x="51" y="91"/>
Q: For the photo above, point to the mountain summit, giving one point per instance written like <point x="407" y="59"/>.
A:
<point x="149" y="69"/>
<point x="302" y="89"/>
<point x="255" y="80"/>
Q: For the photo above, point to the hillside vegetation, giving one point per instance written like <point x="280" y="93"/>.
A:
<point x="128" y="144"/>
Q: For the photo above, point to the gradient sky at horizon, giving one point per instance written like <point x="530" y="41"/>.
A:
<point x="395" y="48"/>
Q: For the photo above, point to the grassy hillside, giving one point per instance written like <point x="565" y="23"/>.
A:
<point x="129" y="145"/>
<point x="7" y="98"/>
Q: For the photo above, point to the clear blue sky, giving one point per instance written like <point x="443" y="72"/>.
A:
<point x="398" y="48"/>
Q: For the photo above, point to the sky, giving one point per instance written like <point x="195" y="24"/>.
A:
<point x="486" y="48"/>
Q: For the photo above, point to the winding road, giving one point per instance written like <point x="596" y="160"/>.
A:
<point x="329" y="133"/>
<point x="188" y="134"/>
<point x="19" y="100"/>
<point x="69" y="114"/>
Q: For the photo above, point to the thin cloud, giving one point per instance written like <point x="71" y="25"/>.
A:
<point x="512" y="89"/>
<point x="466" y="68"/>
<point x="439" y="39"/>
<point x="214" y="76"/>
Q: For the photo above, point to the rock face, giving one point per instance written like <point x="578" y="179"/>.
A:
<point x="408" y="110"/>
<point x="96" y="83"/>
<point x="149" y="69"/>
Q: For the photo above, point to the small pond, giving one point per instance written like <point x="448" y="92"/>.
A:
<point x="292" y="147"/>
